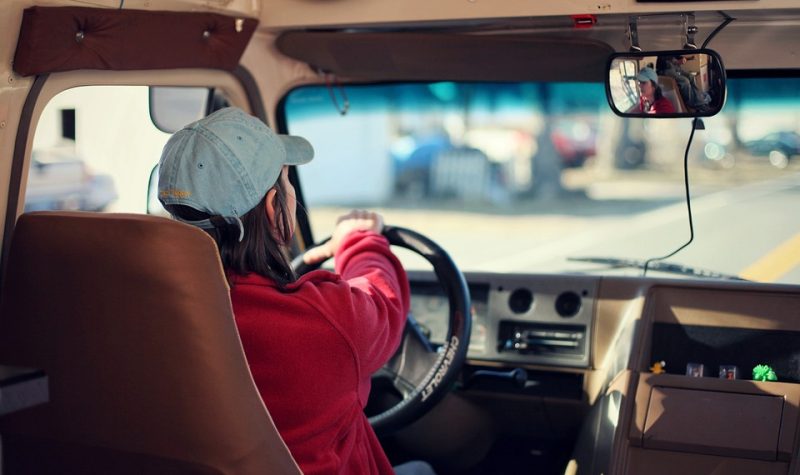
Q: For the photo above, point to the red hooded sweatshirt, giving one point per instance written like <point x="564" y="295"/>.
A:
<point x="313" y="347"/>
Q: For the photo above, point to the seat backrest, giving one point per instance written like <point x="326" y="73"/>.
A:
<point x="670" y="90"/>
<point x="130" y="318"/>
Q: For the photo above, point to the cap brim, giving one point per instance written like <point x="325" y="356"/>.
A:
<point x="298" y="149"/>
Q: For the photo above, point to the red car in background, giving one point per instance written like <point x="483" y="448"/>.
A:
<point x="575" y="141"/>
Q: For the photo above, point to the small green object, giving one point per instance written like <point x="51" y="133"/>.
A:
<point x="763" y="372"/>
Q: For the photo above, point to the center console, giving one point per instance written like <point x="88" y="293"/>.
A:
<point x="697" y="409"/>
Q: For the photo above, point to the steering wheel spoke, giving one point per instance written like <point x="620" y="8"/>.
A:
<point x="413" y="359"/>
<point x="399" y="383"/>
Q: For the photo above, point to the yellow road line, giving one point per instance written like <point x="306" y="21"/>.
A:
<point x="775" y="263"/>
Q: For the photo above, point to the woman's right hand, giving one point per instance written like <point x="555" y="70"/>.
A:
<point x="355" y="220"/>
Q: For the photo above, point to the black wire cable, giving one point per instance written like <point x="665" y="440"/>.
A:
<point x="695" y="122"/>
<point x="688" y="201"/>
<point x="719" y="28"/>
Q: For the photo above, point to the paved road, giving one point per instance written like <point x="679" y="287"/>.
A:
<point x="751" y="229"/>
<point x="734" y="230"/>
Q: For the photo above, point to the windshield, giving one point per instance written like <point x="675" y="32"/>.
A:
<point x="525" y="177"/>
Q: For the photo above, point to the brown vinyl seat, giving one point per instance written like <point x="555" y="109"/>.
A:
<point x="669" y="87"/>
<point x="131" y="320"/>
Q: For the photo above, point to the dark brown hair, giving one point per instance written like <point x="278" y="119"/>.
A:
<point x="657" y="94"/>
<point x="259" y="251"/>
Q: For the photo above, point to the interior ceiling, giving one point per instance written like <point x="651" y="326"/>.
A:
<point x="538" y="49"/>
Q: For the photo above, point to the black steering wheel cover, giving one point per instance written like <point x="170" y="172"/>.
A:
<point x="444" y="372"/>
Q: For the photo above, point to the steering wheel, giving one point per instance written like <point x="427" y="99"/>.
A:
<point x="420" y="372"/>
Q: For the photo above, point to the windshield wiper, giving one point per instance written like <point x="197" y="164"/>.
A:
<point x="616" y="263"/>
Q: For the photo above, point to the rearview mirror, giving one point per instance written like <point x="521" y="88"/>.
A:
<point x="680" y="83"/>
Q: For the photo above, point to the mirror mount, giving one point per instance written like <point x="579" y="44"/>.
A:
<point x="687" y="19"/>
<point x="668" y="84"/>
<point x="691" y="30"/>
<point x="633" y="33"/>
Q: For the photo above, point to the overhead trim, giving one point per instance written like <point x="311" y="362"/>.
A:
<point x="430" y="56"/>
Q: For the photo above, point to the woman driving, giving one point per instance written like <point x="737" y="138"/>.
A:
<point x="312" y="342"/>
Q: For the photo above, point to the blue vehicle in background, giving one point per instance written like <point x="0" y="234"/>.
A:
<point x="778" y="147"/>
<point x="412" y="158"/>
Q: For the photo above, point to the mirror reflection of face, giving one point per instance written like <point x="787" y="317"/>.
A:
<point x="647" y="89"/>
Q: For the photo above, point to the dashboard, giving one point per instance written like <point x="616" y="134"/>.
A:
<point x="516" y="319"/>
<point x="587" y="347"/>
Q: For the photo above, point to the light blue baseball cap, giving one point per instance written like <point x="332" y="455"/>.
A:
<point x="224" y="164"/>
<point x="647" y="74"/>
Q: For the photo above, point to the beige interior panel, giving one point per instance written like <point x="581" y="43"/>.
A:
<point x="618" y="302"/>
<point x="277" y="14"/>
<point x="659" y="462"/>
<point x="726" y="307"/>
<point x="750" y="405"/>
<point x="712" y="422"/>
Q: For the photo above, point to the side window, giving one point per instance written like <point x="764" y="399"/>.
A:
<point x="628" y="93"/>
<point x="96" y="148"/>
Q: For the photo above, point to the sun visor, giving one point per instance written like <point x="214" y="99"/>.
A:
<point x="425" y="56"/>
<point x="55" y="39"/>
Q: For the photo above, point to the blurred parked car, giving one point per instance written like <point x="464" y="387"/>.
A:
<point x="413" y="157"/>
<point x="59" y="180"/>
<point x="779" y="147"/>
<point x="574" y="141"/>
